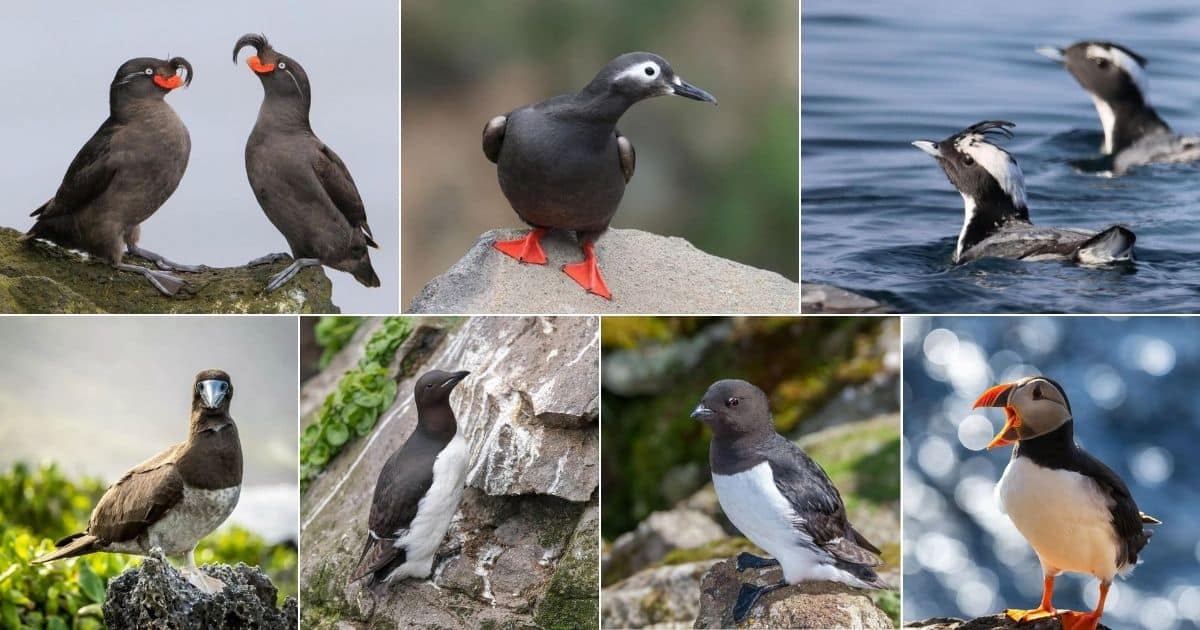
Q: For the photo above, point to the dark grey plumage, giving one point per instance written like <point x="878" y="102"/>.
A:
<point x="125" y="172"/>
<point x="303" y="187"/>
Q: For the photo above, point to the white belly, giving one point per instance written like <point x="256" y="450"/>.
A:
<point x="434" y="513"/>
<point x="1063" y="515"/>
<point x="757" y="508"/>
<point x="196" y="516"/>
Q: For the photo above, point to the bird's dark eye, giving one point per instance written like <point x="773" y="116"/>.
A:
<point x="282" y="66"/>
<point x="1100" y="62"/>
<point x="968" y="160"/>
<point x="428" y="385"/>
<point x="731" y="402"/>
<point x="149" y="71"/>
<point x="649" y="71"/>
<point x="1037" y="392"/>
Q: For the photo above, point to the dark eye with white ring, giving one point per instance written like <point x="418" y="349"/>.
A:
<point x="731" y="402"/>
<point x="968" y="160"/>
<point x="282" y="66"/>
<point x="149" y="71"/>
<point x="649" y="71"/>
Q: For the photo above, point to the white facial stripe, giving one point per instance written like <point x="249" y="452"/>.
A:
<point x="638" y="72"/>
<point x="996" y="162"/>
<point x="1118" y="58"/>
<point x="677" y="80"/>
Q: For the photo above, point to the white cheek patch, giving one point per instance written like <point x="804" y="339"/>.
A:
<point x="998" y="163"/>
<point x="1120" y="59"/>
<point x="639" y="73"/>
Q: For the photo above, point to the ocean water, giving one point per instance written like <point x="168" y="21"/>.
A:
<point x="879" y="216"/>
<point x="1131" y="385"/>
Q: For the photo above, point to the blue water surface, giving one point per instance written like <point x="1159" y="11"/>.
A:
<point x="879" y="217"/>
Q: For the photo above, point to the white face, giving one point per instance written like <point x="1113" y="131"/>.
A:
<point x="1118" y="58"/>
<point x="644" y="72"/>
<point x="997" y="162"/>
<point x="1041" y="406"/>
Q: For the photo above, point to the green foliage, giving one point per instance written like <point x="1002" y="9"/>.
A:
<point x="40" y="505"/>
<point x="333" y="332"/>
<point x="362" y="395"/>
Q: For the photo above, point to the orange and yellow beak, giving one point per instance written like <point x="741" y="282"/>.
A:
<point x="998" y="397"/>
<point x="258" y="66"/>
<point x="168" y="83"/>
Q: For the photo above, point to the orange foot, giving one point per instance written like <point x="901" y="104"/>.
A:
<point x="526" y="250"/>
<point x="1026" y="616"/>
<point x="587" y="273"/>
<point x="1080" y="621"/>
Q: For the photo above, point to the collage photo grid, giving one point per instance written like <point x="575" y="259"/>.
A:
<point x="583" y="314"/>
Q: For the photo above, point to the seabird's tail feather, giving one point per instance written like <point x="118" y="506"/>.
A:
<point x="377" y="554"/>
<point x="69" y="547"/>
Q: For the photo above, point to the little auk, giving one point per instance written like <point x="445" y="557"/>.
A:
<point x="779" y="498"/>
<point x="172" y="500"/>
<point x="124" y="173"/>
<point x="304" y="188"/>
<point x="996" y="216"/>
<point x="563" y="164"/>
<point x="418" y="490"/>
<point x="1076" y="512"/>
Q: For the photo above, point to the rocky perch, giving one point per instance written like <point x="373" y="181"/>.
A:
<point x="823" y="298"/>
<point x="993" y="622"/>
<point x="521" y="551"/>
<point x="38" y="277"/>
<point x="647" y="273"/>
<point x="805" y="605"/>
<point x="155" y="595"/>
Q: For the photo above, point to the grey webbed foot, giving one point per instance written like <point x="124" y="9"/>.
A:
<point x="166" y="283"/>
<point x="281" y="278"/>
<point x="749" y="595"/>
<point x="161" y="262"/>
<point x="751" y="561"/>
<point x="268" y="259"/>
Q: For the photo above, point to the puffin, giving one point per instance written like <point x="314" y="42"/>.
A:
<point x="1076" y="513"/>
<point x="996" y="221"/>
<point x="563" y="164"/>
<point x="169" y="502"/>
<point x="1115" y="77"/>
<point x="779" y="498"/>
<point x="124" y="173"/>
<point x="303" y="187"/>
<point x="418" y="489"/>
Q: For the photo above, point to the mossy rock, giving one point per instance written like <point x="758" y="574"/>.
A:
<point x="571" y="599"/>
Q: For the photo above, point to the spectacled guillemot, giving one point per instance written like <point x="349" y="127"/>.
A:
<point x="563" y="164"/>
<point x="997" y="218"/>
<point x="1076" y="512"/>
<point x="779" y="498"/>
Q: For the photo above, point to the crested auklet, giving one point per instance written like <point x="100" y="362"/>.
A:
<point x="1076" y="512"/>
<point x="172" y="500"/>
<point x="779" y="498"/>
<point x="124" y="173"/>
<point x="1115" y="77"/>
<point x="304" y="188"/>
<point x="563" y="164"/>
<point x="996" y="222"/>
<point x="418" y="490"/>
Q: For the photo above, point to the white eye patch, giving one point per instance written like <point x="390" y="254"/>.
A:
<point x="644" y="72"/>
<point x="1120" y="59"/>
<point x="997" y="162"/>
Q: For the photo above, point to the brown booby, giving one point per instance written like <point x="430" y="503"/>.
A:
<point x="781" y="499"/>
<point x="1078" y="515"/>
<point x="418" y="490"/>
<point x="172" y="500"/>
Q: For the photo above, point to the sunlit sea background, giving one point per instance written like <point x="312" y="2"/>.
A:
<point x="1132" y="386"/>
<point x="880" y="217"/>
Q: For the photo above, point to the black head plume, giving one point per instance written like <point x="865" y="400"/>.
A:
<point x="259" y="42"/>
<point x="178" y="63"/>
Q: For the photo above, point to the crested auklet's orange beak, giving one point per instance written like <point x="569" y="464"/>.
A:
<point x="998" y="397"/>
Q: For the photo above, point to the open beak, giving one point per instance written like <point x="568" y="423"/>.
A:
<point x="212" y="393"/>
<point x="687" y="90"/>
<point x="455" y="379"/>
<point x="1050" y="52"/>
<point x="703" y="413"/>
<point x="929" y="147"/>
<point x="998" y="397"/>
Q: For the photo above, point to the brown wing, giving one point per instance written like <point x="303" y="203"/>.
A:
<point x="87" y="177"/>
<point x="335" y="179"/>
<point x="137" y="501"/>
<point x="628" y="157"/>
<point x="493" y="137"/>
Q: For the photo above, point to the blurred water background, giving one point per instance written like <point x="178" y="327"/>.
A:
<point x="724" y="178"/>
<point x="880" y="217"/>
<point x="1131" y="384"/>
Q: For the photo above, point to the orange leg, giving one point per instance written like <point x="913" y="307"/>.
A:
<point x="1086" y="621"/>
<point x="587" y="273"/>
<point x="1045" y="610"/>
<point x="526" y="250"/>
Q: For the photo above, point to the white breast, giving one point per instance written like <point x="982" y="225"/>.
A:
<point x="756" y="507"/>
<point x="434" y="513"/>
<point x="196" y="516"/>
<point x="1064" y="516"/>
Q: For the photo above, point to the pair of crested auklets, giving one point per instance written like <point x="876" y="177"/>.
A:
<point x="135" y="161"/>
<point x="997" y="221"/>
<point x="779" y="498"/>
<point x="169" y="502"/>
<point x="1076" y="513"/>
<point x="563" y="164"/>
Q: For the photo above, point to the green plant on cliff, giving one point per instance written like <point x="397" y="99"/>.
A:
<point x="363" y="393"/>
<point x="333" y="332"/>
<point x="40" y="504"/>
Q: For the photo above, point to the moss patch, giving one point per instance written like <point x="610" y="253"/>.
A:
<point x="571" y="600"/>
